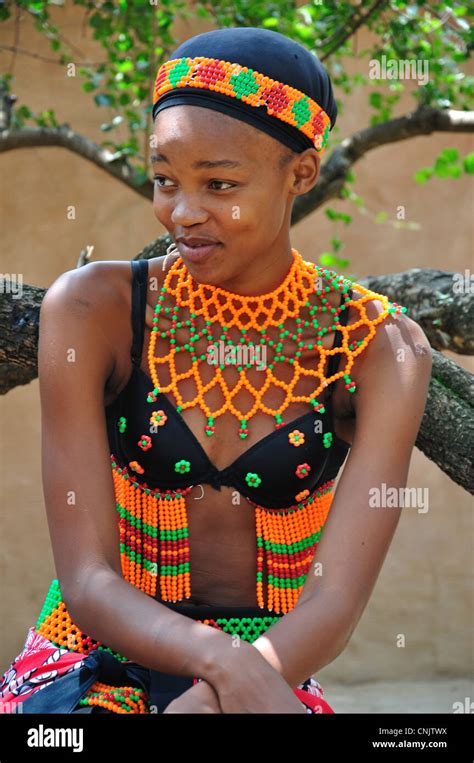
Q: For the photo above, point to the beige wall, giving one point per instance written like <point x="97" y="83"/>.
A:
<point x="425" y="588"/>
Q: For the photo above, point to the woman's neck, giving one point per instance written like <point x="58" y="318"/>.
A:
<point x="263" y="278"/>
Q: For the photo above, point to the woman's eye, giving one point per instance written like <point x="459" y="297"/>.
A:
<point x="158" y="178"/>
<point x="223" y="182"/>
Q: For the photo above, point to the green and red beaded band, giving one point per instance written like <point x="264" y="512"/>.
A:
<point x="280" y="100"/>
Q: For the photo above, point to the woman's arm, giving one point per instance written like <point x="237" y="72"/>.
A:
<point x="76" y="356"/>
<point x="389" y="403"/>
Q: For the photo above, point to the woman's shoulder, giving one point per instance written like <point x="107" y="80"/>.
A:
<point x="104" y="283"/>
<point x="97" y="283"/>
<point x="372" y="311"/>
<point x="109" y="286"/>
<point x="382" y="335"/>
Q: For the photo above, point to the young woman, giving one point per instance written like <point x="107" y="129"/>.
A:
<point x="190" y="451"/>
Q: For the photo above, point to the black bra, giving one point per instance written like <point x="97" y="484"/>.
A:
<point x="273" y="458"/>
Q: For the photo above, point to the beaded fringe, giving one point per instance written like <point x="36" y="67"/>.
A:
<point x="154" y="541"/>
<point x="154" y="550"/>
<point x="287" y="542"/>
<point x="152" y="525"/>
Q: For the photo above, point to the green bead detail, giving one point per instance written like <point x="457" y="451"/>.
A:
<point x="182" y="466"/>
<point x="252" y="479"/>
<point x="327" y="439"/>
<point x="351" y="385"/>
<point x="325" y="136"/>
<point x="122" y="424"/>
<point x="247" y="628"/>
<point x="178" y="71"/>
<point x="301" y="111"/>
<point x="244" y="83"/>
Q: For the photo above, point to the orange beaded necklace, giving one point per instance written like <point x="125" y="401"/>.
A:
<point x="253" y="316"/>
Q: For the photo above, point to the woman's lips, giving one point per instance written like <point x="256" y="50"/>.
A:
<point x="196" y="253"/>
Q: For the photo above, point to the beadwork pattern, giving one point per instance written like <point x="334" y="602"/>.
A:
<point x="280" y="100"/>
<point x="55" y="624"/>
<point x="117" y="699"/>
<point x="224" y="309"/>
<point x="154" y="541"/>
<point x="286" y="545"/>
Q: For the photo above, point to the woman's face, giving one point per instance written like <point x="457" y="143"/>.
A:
<point x="219" y="178"/>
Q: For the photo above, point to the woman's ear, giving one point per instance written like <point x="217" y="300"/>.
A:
<point x="306" y="171"/>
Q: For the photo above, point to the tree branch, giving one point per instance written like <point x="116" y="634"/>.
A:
<point x="345" y="34"/>
<point x="422" y="121"/>
<point x="63" y="136"/>
<point x="15" y="49"/>
<point x="446" y="432"/>
<point x="439" y="301"/>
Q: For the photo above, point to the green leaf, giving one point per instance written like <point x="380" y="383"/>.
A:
<point x="446" y="170"/>
<point x="423" y="175"/>
<point x="449" y="155"/>
<point x="333" y="215"/>
<point x="125" y="66"/>
<point x="375" y="100"/>
<point x="270" y="23"/>
<point x="24" y="112"/>
<point x="468" y="164"/>
<point x="329" y="260"/>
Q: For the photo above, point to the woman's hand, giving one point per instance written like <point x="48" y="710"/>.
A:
<point x="246" y="683"/>
<point x="200" y="698"/>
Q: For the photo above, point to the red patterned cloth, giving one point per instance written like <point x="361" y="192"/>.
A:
<point x="41" y="663"/>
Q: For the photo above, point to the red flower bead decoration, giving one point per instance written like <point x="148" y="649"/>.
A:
<point x="296" y="438"/>
<point x="303" y="470"/>
<point x="144" y="442"/>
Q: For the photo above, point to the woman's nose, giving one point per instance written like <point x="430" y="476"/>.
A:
<point x="187" y="212"/>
